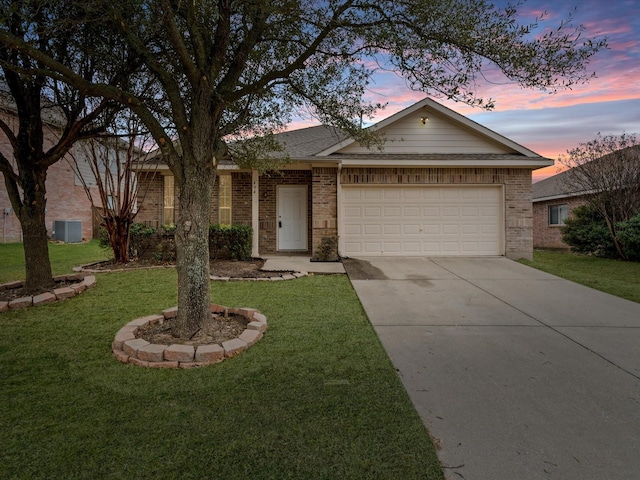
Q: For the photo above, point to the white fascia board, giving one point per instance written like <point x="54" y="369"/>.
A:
<point x="161" y="167"/>
<point x="524" y="163"/>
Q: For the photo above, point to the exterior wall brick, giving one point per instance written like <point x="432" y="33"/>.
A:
<point x="322" y="199"/>
<point x="150" y="208"/>
<point x="550" y="236"/>
<point x="324" y="204"/>
<point x="66" y="198"/>
<point x="241" y="183"/>
<point x="517" y="193"/>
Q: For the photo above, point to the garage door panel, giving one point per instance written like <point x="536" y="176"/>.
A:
<point x="417" y="220"/>
<point x="411" y="211"/>
<point x="374" y="229"/>
<point x="392" y="229"/>
<point x="411" y="229"/>
<point x="393" y="211"/>
<point x="448" y="211"/>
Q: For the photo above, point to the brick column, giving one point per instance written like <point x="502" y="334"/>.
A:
<point x="324" y="204"/>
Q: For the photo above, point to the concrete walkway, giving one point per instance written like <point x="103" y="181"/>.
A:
<point x="300" y="263"/>
<point x="516" y="373"/>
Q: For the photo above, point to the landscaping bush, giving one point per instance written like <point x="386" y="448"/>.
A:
<point x="141" y="239"/>
<point x="327" y="250"/>
<point x="230" y="241"/>
<point x="585" y="231"/>
<point x="629" y="235"/>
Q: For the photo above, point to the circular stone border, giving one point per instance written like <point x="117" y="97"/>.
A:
<point x="83" y="282"/>
<point x="127" y="348"/>
<point x="284" y="276"/>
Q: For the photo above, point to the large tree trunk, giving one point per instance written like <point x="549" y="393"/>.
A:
<point x="192" y="249"/>
<point x="34" y="233"/>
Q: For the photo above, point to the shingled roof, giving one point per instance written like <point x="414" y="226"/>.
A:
<point x="550" y="188"/>
<point x="306" y="142"/>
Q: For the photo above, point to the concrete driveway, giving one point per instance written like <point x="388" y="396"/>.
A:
<point x="516" y="373"/>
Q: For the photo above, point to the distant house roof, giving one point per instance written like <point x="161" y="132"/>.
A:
<point x="551" y="188"/>
<point x="556" y="187"/>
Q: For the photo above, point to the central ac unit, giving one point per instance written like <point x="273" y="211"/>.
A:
<point x="69" y="231"/>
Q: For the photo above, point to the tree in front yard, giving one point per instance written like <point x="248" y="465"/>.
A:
<point x="607" y="171"/>
<point x="47" y="110"/>
<point x="113" y="188"/>
<point x="231" y="69"/>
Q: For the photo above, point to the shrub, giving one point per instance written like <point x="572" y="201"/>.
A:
<point x="168" y="229"/>
<point x="165" y="248"/>
<point x="141" y="238"/>
<point x="233" y="241"/>
<point x="629" y="235"/>
<point x="327" y="250"/>
<point x="585" y="231"/>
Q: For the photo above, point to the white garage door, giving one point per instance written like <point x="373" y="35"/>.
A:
<point x="452" y="220"/>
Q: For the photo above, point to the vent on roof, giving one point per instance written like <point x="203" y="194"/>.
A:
<point x="69" y="231"/>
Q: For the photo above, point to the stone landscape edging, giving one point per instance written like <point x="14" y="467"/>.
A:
<point x="128" y="348"/>
<point x="84" y="282"/>
<point x="286" y="276"/>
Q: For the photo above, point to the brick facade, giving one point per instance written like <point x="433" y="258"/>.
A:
<point x="517" y="193"/>
<point x="241" y="198"/>
<point x="150" y="210"/>
<point x="66" y="198"/>
<point x="324" y="206"/>
<point x="550" y="236"/>
<point x="322" y="183"/>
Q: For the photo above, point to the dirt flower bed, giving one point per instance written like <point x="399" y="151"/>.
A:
<point x="217" y="330"/>
<point x="15" y="290"/>
<point x="219" y="268"/>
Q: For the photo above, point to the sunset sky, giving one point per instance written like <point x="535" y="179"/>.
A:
<point x="551" y="124"/>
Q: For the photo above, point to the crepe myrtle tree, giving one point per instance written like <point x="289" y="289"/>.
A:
<point x="233" y="69"/>
<point x="111" y="184"/>
<point x="607" y="171"/>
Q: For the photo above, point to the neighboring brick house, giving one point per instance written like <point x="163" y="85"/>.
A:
<point x="552" y="205"/>
<point x="66" y="198"/>
<point x="442" y="185"/>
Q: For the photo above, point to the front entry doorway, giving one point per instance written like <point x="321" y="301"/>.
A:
<point x="292" y="217"/>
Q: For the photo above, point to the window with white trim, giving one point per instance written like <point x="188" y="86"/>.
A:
<point x="558" y="214"/>
<point x="168" y="194"/>
<point x="224" y="200"/>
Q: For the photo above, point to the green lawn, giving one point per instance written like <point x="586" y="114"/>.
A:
<point x="64" y="256"/>
<point x="612" y="276"/>
<point x="316" y="398"/>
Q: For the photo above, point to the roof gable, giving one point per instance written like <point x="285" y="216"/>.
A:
<point x="428" y="127"/>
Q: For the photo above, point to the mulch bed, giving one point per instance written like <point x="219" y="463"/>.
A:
<point x="220" y="268"/>
<point x="219" y="329"/>
<point x="6" y="295"/>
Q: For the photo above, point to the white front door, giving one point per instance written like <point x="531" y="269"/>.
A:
<point x="292" y="217"/>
